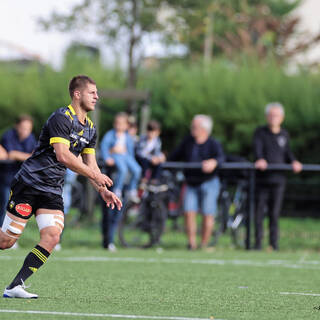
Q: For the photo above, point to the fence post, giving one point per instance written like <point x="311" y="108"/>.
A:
<point x="250" y="215"/>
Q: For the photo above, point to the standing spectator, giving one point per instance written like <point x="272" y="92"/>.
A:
<point x="117" y="149"/>
<point x="148" y="151"/>
<point x="203" y="184"/>
<point x="19" y="143"/>
<point x="271" y="145"/>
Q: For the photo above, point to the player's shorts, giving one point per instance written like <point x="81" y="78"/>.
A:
<point x="25" y="200"/>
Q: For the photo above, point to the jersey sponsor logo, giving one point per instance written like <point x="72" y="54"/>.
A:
<point x="24" y="209"/>
<point x="82" y="139"/>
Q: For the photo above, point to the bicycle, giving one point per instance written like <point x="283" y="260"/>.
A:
<point x="232" y="213"/>
<point x="142" y="224"/>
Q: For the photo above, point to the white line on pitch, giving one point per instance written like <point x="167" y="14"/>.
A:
<point x="313" y="265"/>
<point x="101" y="315"/>
<point x="301" y="294"/>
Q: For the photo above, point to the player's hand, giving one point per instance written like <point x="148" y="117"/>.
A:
<point x="102" y="180"/>
<point x="209" y="165"/>
<point x="261" y="164"/>
<point x="296" y="166"/>
<point x="110" y="199"/>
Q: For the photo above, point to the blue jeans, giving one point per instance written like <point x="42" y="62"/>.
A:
<point x="202" y="198"/>
<point x="125" y="164"/>
<point x="69" y="179"/>
<point x="110" y="221"/>
<point x="4" y="197"/>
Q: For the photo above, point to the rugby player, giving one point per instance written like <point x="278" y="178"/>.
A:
<point x="37" y="187"/>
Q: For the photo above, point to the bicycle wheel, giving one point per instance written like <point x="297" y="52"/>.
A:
<point x="221" y="220"/>
<point x="156" y="216"/>
<point x="142" y="225"/>
<point x="238" y="230"/>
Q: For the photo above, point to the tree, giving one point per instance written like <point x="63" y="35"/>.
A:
<point x="113" y="20"/>
<point x="229" y="27"/>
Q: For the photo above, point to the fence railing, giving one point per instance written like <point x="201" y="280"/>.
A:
<point x="250" y="168"/>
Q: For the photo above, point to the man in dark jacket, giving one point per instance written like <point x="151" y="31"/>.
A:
<point x="203" y="184"/>
<point x="271" y="145"/>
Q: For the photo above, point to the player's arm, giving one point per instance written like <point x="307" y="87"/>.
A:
<point x="75" y="164"/>
<point x="109" y="197"/>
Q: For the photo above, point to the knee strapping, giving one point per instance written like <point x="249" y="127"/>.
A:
<point x="12" y="228"/>
<point x="50" y="220"/>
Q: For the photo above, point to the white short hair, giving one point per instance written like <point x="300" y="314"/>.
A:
<point x="206" y="122"/>
<point x="274" y="105"/>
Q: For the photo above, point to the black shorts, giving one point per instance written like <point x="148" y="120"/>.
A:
<point x="25" y="200"/>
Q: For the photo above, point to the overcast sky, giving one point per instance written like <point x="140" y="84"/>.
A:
<point x="19" y="28"/>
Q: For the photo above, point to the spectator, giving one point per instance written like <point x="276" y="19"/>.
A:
<point x="133" y="129"/>
<point x="148" y="151"/>
<point x="271" y="145"/>
<point x="19" y="143"/>
<point x="117" y="149"/>
<point x="203" y="184"/>
<point x="3" y="153"/>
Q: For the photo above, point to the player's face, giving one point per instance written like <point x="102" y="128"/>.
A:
<point x="89" y="97"/>
<point x="275" y="117"/>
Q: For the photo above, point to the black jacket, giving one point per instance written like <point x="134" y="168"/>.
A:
<point x="274" y="148"/>
<point x="190" y="151"/>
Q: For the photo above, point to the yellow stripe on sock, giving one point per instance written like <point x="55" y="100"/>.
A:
<point x="40" y="253"/>
<point x="41" y="256"/>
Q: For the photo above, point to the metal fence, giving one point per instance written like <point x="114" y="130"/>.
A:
<point x="251" y="176"/>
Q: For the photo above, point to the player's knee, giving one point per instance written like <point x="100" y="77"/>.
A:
<point x="11" y="230"/>
<point x="50" y="236"/>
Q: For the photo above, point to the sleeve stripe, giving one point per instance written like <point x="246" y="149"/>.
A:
<point x="88" y="151"/>
<point x="59" y="140"/>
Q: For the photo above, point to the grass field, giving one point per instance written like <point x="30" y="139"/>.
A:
<point x="84" y="282"/>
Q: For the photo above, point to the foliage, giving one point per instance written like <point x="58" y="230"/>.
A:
<point x="125" y="20"/>
<point x="39" y="90"/>
<point x="255" y="27"/>
<point x="235" y="97"/>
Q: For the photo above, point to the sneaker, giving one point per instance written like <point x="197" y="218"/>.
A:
<point x="112" y="247"/>
<point x="19" y="292"/>
<point x="133" y="196"/>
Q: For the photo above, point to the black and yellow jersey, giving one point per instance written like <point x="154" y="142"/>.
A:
<point x="42" y="170"/>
